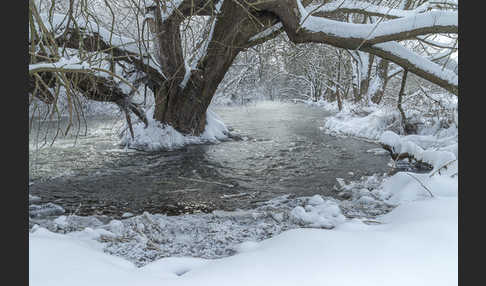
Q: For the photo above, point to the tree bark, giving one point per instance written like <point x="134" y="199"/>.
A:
<point x="382" y="77"/>
<point x="400" y="99"/>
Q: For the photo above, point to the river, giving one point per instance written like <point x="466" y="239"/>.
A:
<point x="282" y="150"/>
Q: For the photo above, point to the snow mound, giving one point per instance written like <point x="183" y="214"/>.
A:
<point x="157" y="136"/>
<point x="370" y="122"/>
<point x="405" y="187"/>
<point x="369" y="127"/>
<point x="364" y="197"/>
<point x="318" y="213"/>
<point x="438" y="158"/>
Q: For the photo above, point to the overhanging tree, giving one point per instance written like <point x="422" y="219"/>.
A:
<point x="183" y="83"/>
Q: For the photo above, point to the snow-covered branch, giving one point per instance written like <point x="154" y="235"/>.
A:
<point x="379" y="39"/>
<point x="359" y="7"/>
<point x="392" y="30"/>
<point x="417" y="64"/>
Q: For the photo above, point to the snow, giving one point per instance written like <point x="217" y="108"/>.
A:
<point x="436" y="146"/>
<point x="406" y="144"/>
<point x="267" y="32"/>
<point x="370" y="122"/>
<point x="187" y="75"/>
<point x="318" y="213"/>
<point x="97" y="64"/>
<point x="93" y="62"/>
<point x="367" y="7"/>
<point x="157" y="136"/>
<point x="381" y="33"/>
<point x="168" y="7"/>
<point x="201" y="52"/>
<point x="415" y="244"/>
<point x="418" y="61"/>
<point x="374" y="31"/>
<point x="71" y="64"/>
<point x="45" y="210"/>
<point x="84" y="264"/>
<point x="59" y="22"/>
<point x="33" y="198"/>
<point x="246" y="246"/>
<point x="369" y="127"/>
<point x="403" y="188"/>
<point x="145" y="238"/>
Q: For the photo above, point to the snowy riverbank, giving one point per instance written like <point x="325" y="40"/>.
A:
<point x="415" y="244"/>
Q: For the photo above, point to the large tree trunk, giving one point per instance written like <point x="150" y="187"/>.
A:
<point x="183" y="100"/>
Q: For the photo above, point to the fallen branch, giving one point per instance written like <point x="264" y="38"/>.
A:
<point x="400" y="156"/>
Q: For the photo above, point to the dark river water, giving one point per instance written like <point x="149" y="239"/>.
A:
<point x="282" y="151"/>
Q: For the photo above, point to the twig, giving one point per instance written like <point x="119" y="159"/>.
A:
<point x="432" y="195"/>
<point x="443" y="166"/>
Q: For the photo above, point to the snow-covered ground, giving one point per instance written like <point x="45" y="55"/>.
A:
<point x="415" y="244"/>
<point x="308" y="241"/>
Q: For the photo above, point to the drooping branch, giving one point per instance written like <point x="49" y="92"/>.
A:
<point x="55" y="67"/>
<point x="353" y="36"/>
<point x="94" y="42"/>
<point x="92" y="86"/>
<point x="416" y="64"/>
<point x="375" y="39"/>
<point x="89" y="38"/>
